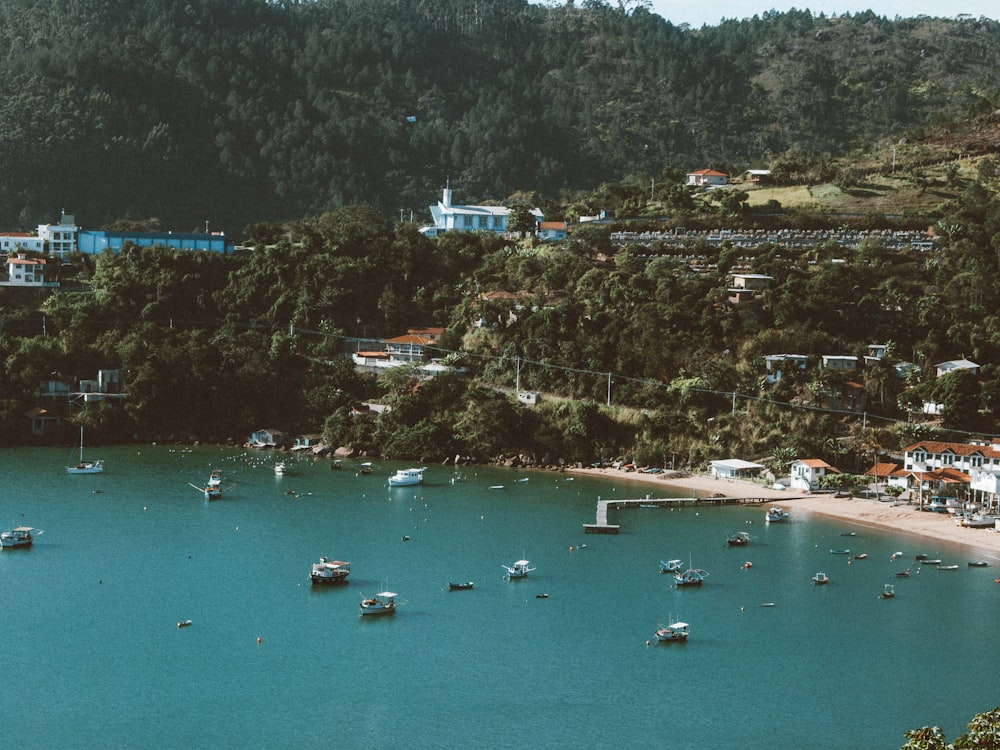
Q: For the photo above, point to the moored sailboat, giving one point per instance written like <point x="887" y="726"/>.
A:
<point x="85" y="467"/>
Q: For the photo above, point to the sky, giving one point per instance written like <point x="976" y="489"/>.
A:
<point x="699" y="13"/>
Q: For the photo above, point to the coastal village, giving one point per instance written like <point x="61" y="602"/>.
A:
<point x="962" y="478"/>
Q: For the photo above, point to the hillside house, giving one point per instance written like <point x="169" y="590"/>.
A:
<point x="12" y="243"/>
<point x="746" y="285"/>
<point x="707" y="178"/>
<point x="840" y="362"/>
<point x="449" y="217"/>
<point x="552" y="231"/>
<point x="776" y="365"/>
<point x="61" y="237"/>
<point x="28" y="272"/>
<point x="96" y="242"/>
<point x="757" y="176"/>
<point x="268" y="438"/>
<point x="955" y="365"/>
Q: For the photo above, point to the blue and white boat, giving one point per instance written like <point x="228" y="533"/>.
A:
<point x="670" y="566"/>
<point x="690" y="577"/>
<point x="519" y="569"/>
<point x="18" y="537"/>
<point x="776" y="515"/>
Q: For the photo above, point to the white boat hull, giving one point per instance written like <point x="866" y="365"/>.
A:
<point x="86" y="468"/>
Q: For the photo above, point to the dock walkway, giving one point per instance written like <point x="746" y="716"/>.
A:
<point x="603" y="527"/>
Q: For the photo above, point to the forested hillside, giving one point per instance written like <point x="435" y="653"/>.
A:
<point x="239" y="111"/>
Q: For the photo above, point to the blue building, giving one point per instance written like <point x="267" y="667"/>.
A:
<point x="96" y="242"/>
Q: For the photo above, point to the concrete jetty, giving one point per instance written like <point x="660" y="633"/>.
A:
<point x="601" y="526"/>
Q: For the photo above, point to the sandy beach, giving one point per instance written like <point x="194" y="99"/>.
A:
<point x="898" y="516"/>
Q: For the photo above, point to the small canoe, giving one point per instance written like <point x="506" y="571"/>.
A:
<point x="977" y="563"/>
<point x="903" y="574"/>
<point x="183" y="623"/>
<point x="862" y="556"/>
<point x="460" y="586"/>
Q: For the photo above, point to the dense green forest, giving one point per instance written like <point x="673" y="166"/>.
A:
<point x="637" y="350"/>
<point x="241" y="111"/>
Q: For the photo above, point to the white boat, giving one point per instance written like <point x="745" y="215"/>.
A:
<point x="405" y="477"/>
<point x="739" y="539"/>
<point x="215" y="478"/>
<point x="670" y="566"/>
<point x="820" y="578"/>
<point x="85" y="467"/>
<point x="19" y="537"/>
<point x="329" y="571"/>
<point x="675" y="631"/>
<point x="979" y="521"/>
<point x="888" y="591"/>
<point x="280" y="468"/>
<point x="519" y="569"/>
<point x="383" y="603"/>
<point x="947" y="567"/>
<point x="776" y="515"/>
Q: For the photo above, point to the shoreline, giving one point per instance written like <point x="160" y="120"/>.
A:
<point x="896" y="516"/>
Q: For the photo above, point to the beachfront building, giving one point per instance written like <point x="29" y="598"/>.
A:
<point x="964" y="470"/>
<point x="806" y="473"/>
<point x="735" y="468"/>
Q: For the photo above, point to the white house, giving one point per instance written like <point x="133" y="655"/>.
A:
<point x="707" y="178"/>
<point x="30" y="272"/>
<point x="840" y="362"/>
<point x="806" y="473"/>
<point x="552" y="231"/>
<point x="954" y="365"/>
<point x="12" y="243"/>
<point x="451" y="218"/>
<point x="61" y="237"/>
<point x="970" y="469"/>
<point x="777" y="364"/>
<point x="735" y="468"/>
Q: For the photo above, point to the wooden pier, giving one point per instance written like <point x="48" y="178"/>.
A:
<point x="601" y="526"/>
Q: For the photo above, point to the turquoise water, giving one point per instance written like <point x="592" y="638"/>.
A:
<point x="95" y="657"/>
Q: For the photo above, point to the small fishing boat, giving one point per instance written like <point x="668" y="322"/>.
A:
<point x="820" y="578"/>
<point x="888" y="591"/>
<point x="541" y="596"/>
<point x="675" y="631"/>
<point x="926" y="561"/>
<point x="921" y="557"/>
<point x="670" y="566"/>
<point x="329" y="571"/>
<point x="210" y="491"/>
<point x="365" y="468"/>
<point x="17" y="537"/>
<point x="406" y="477"/>
<point x="776" y="515"/>
<point x="460" y="586"/>
<point x="280" y="468"/>
<point x="690" y="577"/>
<point x="383" y="603"/>
<point x="739" y="539"/>
<point x="848" y="533"/>
<point x="903" y="573"/>
<point x="519" y="569"/>
<point x="977" y="563"/>
<point x="215" y="478"/>
<point x="947" y="567"/>
<point x="184" y="623"/>
<point x="861" y="556"/>
<point x="840" y="552"/>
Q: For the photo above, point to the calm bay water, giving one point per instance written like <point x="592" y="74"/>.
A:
<point x="95" y="658"/>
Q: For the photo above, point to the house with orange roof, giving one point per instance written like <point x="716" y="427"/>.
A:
<point x="29" y="272"/>
<point x="970" y="471"/>
<point x="805" y="474"/>
<point x="707" y="178"/>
